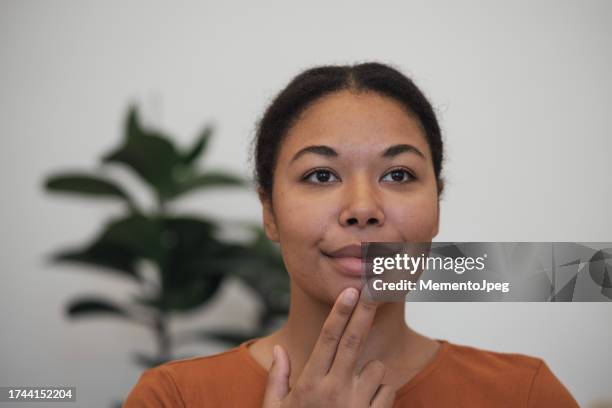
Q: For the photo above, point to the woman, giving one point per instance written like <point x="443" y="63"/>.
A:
<point x="344" y="155"/>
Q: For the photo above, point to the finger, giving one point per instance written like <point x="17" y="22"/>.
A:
<point x="354" y="336"/>
<point x="322" y="355"/>
<point x="384" y="398"/>
<point x="277" y="387"/>
<point x="369" y="379"/>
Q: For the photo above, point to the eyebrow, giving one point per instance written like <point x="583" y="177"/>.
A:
<point x="327" y="151"/>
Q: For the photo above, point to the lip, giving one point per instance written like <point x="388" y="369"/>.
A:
<point x="347" y="260"/>
<point x="352" y="250"/>
<point x="348" y="265"/>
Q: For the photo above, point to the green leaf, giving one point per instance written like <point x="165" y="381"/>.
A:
<point x="122" y="243"/>
<point x="199" y="147"/>
<point x="263" y="258"/>
<point x="225" y="335"/>
<point x="151" y="155"/>
<point x="195" y="295"/>
<point x="105" y="254"/>
<point x="133" y="129"/>
<point x="188" y="255"/>
<point x="212" y="179"/>
<point x="85" y="184"/>
<point x="231" y="336"/>
<point x="190" y="276"/>
<point x="95" y="306"/>
<point x="219" y="178"/>
<point x="184" y="298"/>
<point x="140" y="235"/>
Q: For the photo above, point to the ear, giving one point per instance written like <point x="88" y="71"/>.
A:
<point x="269" y="221"/>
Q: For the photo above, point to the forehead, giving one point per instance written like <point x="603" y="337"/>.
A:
<point x="354" y="124"/>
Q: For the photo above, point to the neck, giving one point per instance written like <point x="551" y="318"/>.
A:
<point x="389" y="336"/>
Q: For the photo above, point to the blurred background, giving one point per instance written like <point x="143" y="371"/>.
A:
<point x="523" y="94"/>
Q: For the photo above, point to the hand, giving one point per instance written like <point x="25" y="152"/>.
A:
<point x="329" y="378"/>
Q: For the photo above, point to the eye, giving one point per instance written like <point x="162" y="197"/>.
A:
<point x="399" y="176"/>
<point x="321" y="176"/>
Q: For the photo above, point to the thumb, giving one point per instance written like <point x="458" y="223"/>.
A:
<point x="278" y="379"/>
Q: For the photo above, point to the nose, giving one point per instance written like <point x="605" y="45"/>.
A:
<point x="362" y="206"/>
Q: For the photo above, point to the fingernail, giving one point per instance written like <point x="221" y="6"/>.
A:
<point x="349" y="297"/>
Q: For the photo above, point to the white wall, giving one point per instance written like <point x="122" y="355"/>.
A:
<point x="522" y="90"/>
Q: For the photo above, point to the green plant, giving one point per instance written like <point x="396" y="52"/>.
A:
<point x="190" y="260"/>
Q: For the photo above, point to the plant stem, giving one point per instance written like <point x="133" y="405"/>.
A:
<point x="164" y="343"/>
<point x="164" y="340"/>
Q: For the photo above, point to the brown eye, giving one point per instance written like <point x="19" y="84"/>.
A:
<point x="320" y="176"/>
<point x="399" y="176"/>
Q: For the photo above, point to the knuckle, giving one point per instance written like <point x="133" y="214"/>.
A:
<point x="351" y="341"/>
<point x="328" y="336"/>
<point x="344" y="310"/>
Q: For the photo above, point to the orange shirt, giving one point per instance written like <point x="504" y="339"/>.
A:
<point x="457" y="376"/>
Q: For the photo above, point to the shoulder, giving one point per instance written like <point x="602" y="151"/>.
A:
<point x="548" y="391"/>
<point x="488" y="361"/>
<point x="527" y="378"/>
<point x="186" y="382"/>
<point x="203" y="368"/>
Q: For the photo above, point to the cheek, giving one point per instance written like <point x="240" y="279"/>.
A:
<point x="299" y="219"/>
<point x="303" y="222"/>
<point x="415" y="219"/>
<point x="301" y="225"/>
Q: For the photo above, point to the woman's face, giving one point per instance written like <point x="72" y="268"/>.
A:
<point x="334" y="186"/>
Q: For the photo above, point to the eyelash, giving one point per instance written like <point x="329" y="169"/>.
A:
<point x="305" y="178"/>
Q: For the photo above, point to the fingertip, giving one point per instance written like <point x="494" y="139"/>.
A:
<point x="281" y="358"/>
<point x="349" y="296"/>
<point x="278" y="380"/>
